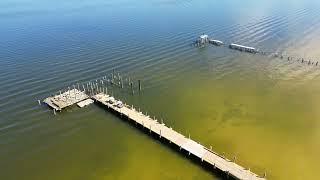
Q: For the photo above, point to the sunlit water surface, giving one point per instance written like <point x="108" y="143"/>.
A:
<point x="263" y="110"/>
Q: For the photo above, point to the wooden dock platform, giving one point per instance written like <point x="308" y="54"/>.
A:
<point x="66" y="99"/>
<point x="204" y="154"/>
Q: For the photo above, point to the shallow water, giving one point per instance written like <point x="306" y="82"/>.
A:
<point x="262" y="110"/>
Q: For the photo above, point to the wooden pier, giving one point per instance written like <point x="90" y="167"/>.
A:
<point x="217" y="162"/>
<point x="66" y="99"/>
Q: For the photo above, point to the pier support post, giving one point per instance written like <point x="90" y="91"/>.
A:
<point x="131" y="84"/>
<point x="39" y="102"/>
<point x="121" y="82"/>
<point x="139" y="81"/>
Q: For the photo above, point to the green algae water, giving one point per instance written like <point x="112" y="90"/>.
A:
<point x="262" y="110"/>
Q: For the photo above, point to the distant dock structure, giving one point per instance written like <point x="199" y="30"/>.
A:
<point x="202" y="40"/>
<point x="243" y="48"/>
<point x="205" y="39"/>
<point x="216" y="42"/>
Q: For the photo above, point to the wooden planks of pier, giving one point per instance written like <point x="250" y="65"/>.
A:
<point x="153" y="126"/>
<point x="65" y="99"/>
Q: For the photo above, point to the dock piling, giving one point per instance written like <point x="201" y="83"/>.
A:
<point x="234" y="159"/>
<point x="139" y="81"/>
<point x="131" y="84"/>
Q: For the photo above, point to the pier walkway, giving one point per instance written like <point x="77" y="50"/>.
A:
<point x="204" y="154"/>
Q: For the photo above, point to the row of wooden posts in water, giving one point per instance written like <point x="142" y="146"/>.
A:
<point x="204" y="39"/>
<point x="82" y="91"/>
<point x="101" y="84"/>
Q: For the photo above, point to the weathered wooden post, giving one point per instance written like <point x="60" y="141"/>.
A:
<point x="39" y="102"/>
<point x="139" y="81"/>
<point x="54" y="111"/>
<point x="131" y="84"/>
<point x="121" y="82"/>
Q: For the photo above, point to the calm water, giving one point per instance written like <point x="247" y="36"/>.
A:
<point x="262" y="110"/>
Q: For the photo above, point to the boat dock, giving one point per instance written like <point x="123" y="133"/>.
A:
<point x="97" y="92"/>
<point x="216" y="42"/>
<point x="65" y="99"/>
<point x="204" y="154"/>
<point x="243" y="48"/>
